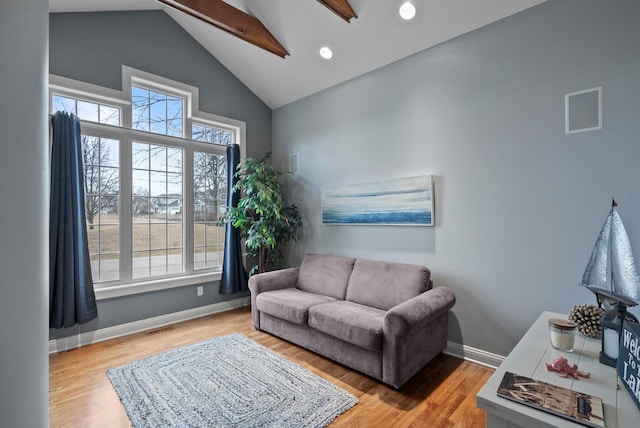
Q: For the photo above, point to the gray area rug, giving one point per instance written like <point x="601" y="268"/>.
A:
<point x="229" y="381"/>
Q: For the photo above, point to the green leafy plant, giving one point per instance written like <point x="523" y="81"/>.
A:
<point x="264" y="223"/>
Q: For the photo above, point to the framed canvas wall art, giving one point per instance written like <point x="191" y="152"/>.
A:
<point x="402" y="201"/>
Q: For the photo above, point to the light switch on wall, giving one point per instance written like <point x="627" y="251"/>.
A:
<point x="200" y="290"/>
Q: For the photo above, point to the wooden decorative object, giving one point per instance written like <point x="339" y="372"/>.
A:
<point x="342" y="8"/>
<point x="232" y="20"/>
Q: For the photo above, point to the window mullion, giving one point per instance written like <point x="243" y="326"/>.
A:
<point x="126" y="228"/>
<point x="127" y="114"/>
<point x="148" y="215"/>
<point x="188" y="127"/>
<point x="187" y="204"/>
<point x="189" y="199"/>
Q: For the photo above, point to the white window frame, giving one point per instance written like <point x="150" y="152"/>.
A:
<point x="191" y="114"/>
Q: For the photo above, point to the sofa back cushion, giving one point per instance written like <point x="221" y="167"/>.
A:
<point x="384" y="285"/>
<point x="326" y="275"/>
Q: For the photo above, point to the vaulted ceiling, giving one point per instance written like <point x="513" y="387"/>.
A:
<point x="376" y="36"/>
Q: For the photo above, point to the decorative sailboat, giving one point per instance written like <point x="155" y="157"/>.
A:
<point x="613" y="279"/>
<point x="613" y="276"/>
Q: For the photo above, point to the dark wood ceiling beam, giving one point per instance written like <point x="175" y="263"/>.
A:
<point x="232" y="20"/>
<point x="342" y="8"/>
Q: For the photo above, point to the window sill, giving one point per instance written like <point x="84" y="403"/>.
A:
<point x="155" y="285"/>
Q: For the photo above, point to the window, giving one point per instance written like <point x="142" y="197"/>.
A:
<point x="86" y="110"/>
<point x="157" y="112"/>
<point x="209" y="202"/>
<point x="156" y="207"/>
<point x="210" y="196"/>
<point x="210" y="134"/>
<point x="102" y="205"/>
<point x="155" y="181"/>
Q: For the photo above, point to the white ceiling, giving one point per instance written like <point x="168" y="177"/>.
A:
<point x="376" y="38"/>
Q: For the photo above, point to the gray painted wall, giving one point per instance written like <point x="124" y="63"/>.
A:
<point x="92" y="47"/>
<point x="519" y="204"/>
<point x="24" y="288"/>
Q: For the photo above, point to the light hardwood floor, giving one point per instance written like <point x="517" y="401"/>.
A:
<point x="440" y="395"/>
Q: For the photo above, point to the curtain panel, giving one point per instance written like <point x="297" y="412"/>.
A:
<point x="71" y="295"/>
<point x="234" y="275"/>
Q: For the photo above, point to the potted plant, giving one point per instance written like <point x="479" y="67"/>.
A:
<point x="264" y="223"/>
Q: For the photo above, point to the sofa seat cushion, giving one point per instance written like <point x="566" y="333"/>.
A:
<point x="357" y="324"/>
<point x="289" y="304"/>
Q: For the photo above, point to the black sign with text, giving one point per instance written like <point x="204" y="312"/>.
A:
<point x="629" y="359"/>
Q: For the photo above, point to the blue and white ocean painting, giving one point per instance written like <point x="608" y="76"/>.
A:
<point x="402" y="201"/>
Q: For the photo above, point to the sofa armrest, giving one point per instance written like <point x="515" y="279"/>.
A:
<point x="415" y="331"/>
<point x="418" y="312"/>
<point x="267" y="281"/>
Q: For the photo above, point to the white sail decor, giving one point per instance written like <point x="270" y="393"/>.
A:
<point x="613" y="278"/>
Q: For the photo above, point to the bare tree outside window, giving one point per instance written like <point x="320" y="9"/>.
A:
<point x="210" y="174"/>
<point x="156" y="112"/>
<point x="210" y="197"/>
<point x="101" y="176"/>
<point x="210" y="185"/>
<point x="86" y="110"/>
<point x="102" y="203"/>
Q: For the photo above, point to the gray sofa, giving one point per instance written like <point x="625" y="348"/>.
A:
<point x="380" y="318"/>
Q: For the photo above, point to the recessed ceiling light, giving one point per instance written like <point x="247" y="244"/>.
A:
<point x="407" y="10"/>
<point x="326" y="52"/>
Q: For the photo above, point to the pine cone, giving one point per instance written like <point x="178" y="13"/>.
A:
<point x="587" y="317"/>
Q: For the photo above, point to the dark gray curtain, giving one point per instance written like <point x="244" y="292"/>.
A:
<point x="71" y="296"/>
<point x="234" y="276"/>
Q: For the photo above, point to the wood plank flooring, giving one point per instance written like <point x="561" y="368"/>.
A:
<point x="440" y="395"/>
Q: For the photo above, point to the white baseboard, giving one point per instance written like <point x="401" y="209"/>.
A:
<point x="473" y="354"/>
<point x="83" y="339"/>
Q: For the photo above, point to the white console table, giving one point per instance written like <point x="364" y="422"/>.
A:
<point x="528" y="358"/>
